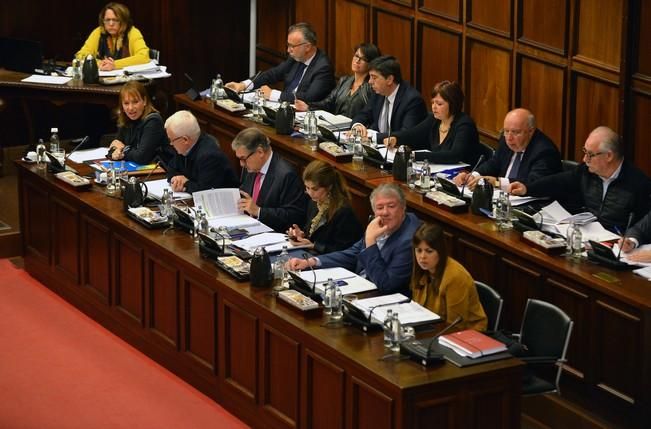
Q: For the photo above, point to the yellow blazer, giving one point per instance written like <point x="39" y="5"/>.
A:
<point x="137" y="48"/>
<point x="457" y="296"/>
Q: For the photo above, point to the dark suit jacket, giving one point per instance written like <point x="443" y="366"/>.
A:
<point x="143" y="138"/>
<point x="460" y="145"/>
<point x="408" y="110"/>
<point x="641" y="230"/>
<point x="318" y="79"/>
<point x="205" y="166"/>
<point x="339" y="233"/>
<point x="340" y="102"/>
<point x="540" y="159"/>
<point x="282" y="199"/>
<point x="389" y="268"/>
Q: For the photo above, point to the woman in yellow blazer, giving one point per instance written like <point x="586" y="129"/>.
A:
<point x="116" y="43"/>
<point x="442" y="284"/>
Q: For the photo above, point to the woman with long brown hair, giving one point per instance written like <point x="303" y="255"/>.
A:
<point x="441" y="284"/>
<point x="331" y="224"/>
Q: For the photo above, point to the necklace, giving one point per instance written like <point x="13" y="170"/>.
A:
<point x="443" y="130"/>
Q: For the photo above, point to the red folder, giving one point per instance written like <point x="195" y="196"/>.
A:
<point x="472" y="343"/>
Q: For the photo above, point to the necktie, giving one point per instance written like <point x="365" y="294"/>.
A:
<point x="296" y="79"/>
<point x="385" y="125"/>
<point x="256" y="186"/>
<point x="515" y="168"/>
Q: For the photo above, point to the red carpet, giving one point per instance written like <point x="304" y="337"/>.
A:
<point x="61" y="370"/>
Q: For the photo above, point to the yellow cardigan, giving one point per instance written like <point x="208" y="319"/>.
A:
<point x="137" y="48"/>
<point x="457" y="296"/>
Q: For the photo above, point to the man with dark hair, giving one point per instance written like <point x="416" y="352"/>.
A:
<point x="307" y="72"/>
<point x="524" y="153"/>
<point x="271" y="190"/>
<point x="394" y="106"/>
<point x="384" y="254"/>
<point x="196" y="163"/>
<point x="607" y="185"/>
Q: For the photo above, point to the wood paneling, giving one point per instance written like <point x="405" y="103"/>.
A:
<point x="450" y="9"/>
<point x="241" y="351"/>
<point x="393" y="34"/>
<point x="274" y="18"/>
<point x="544" y="24"/>
<point x="350" y="28"/>
<point x="129" y="279"/>
<point x="641" y="150"/>
<point x="488" y="94"/>
<point x="200" y="314"/>
<point x="96" y="258"/>
<point x="441" y="410"/>
<point x="37" y="226"/>
<point x="281" y="371"/>
<point x="596" y="103"/>
<point x="599" y="32"/>
<point x="644" y="40"/>
<point x="491" y="15"/>
<point x="541" y="89"/>
<point x="325" y="393"/>
<point x="524" y="284"/>
<point x="316" y="13"/>
<point x="371" y="408"/>
<point x="163" y="288"/>
<point x="65" y="234"/>
<point x="435" y="43"/>
<point x="478" y="260"/>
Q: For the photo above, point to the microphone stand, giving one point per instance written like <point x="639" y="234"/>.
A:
<point x="628" y="225"/>
<point x="152" y="170"/>
<point x="307" y="259"/>
<point x="321" y="117"/>
<point x="417" y="351"/>
<point x="465" y="182"/>
<point x="454" y="323"/>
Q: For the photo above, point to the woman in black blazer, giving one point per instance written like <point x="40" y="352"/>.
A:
<point x="331" y="224"/>
<point x="448" y="133"/>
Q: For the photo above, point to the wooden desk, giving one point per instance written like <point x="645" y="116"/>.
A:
<point x="609" y="364"/>
<point x="262" y="360"/>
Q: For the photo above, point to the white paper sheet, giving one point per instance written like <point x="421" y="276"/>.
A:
<point x="88" y="155"/>
<point x="157" y="187"/>
<point x="52" y="80"/>
<point x="409" y="312"/>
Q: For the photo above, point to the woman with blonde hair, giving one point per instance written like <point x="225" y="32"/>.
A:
<point x="115" y="43"/>
<point x="441" y="284"/>
<point x="331" y="224"/>
<point x="140" y="126"/>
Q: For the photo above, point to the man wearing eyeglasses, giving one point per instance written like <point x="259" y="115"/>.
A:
<point x="198" y="163"/>
<point x="606" y="184"/>
<point x="524" y="153"/>
<point x="307" y="73"/>
<point x="271" y="190"/>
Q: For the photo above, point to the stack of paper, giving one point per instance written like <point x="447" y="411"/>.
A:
<point x="156" y="188"/>
<point x="471" y="343"/>
<point x="348" y="281"/>
<point x="221" y="208"/>
<point x="557" y="220"/>
<point x="409" y="312"/>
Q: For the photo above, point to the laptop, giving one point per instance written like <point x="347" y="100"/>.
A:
<point x="20" y="55"/>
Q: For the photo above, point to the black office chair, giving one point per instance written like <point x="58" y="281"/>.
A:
<point x="486" y="150"/>
<point x="154" y="54"/>
<point x="568" y="164"/>
<point x="544" y="336"/>
<point x="492" y="303"/>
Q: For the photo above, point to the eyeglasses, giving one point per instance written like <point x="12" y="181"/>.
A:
<point x="109" y="20"/>
<point x="590" y="155"/>
<point x="291" y="46"/>
<point x="514" y="133"/>
<point x="360" y="58"/>
<point x="246" y="158"/>
<point x="176" y="138"/>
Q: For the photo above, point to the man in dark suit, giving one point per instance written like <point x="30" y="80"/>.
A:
<point x="637" y="236"/>
<point x="384" y="254"/>
<point x="607" y="185"/>
<point x="198" y="163"/>
<point x="271" y="190"/>
<point x="307" y="73"/>
<point x="524" y="153"/>
<point x="394" y="106"/>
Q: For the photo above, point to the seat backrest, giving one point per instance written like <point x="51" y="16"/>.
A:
<point x="568" y="164"/>
<point x="545" y="329"/>
<point x="154" y="54"/>
<point x="492" y="303"/>
<point x="487" y="150"/>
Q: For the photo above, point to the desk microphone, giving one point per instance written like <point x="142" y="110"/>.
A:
<point x="628" y="225"/>
<point x="152" y="170"/>
<point x="192" y="92"/>
<point x="418" y="351"/>
<point x="81" y="143"/>
<point x="386" y="304"/>
<point x="307" y="259"/>
<point x="252" y="79"/>
<point x="463" y="188"/>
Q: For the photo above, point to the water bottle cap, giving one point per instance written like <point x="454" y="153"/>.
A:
<point x="54" y="130"/>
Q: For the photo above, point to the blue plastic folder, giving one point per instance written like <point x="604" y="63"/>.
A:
<point x="129" y="165"/>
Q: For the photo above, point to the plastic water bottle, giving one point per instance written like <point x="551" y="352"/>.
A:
<point x="55" y="143"/>
<point x="503" y="212"/>
<point x="40" y="154"/>
<point x="574" y="241"/>
<point x="167" y="209"/>
<point x="396" y="333"/>
<point x="426" y="177"/>
<point x="412" y="174"/>
<point x="358" y="154"/>
<point x="388" y="320"/>
<point x="280" y="269"/>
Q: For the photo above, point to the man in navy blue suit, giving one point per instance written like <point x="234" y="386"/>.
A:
<point x="384" y="254"/>
<point x="524" y="154"/>
<point x="394" y="106"/>
<point x="307" y="73"/>
<point x="271" y="190"/>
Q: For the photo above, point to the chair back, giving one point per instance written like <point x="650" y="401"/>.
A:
<point x="492" y="303"/>
<point x="154" y="54"/>
<point x="568" y="164"/>
<point x="486" y="150"/>
<point x="545" y="333"/>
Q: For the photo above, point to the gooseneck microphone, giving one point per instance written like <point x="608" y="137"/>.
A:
<point x="421" y="350"/>
<point x="152" y="170"/>
<point x="628" y="225"/>
<point x="307" y="259"/>
<point x="465" y="182"/>
<point x="252" y="84"/>
<point x="454" y="323"/>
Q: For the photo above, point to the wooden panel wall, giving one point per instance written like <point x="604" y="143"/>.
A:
<point x="576" y="64"/>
